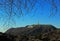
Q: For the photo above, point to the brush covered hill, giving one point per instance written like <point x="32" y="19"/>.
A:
<point x="31" y="30"/>
<point x="32" y="33"/>
<point x="50" y="36"/>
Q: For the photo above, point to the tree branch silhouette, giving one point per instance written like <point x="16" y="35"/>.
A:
<point x="17" y="7"/>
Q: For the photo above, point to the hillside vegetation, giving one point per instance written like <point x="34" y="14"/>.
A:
<point x="32" y="33"/>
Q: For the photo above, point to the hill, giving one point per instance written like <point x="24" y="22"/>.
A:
<point x="31" y="30"/>
<point x="31" y="33"/>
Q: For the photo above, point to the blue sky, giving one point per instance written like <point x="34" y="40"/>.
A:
<point x="41" y="16"/>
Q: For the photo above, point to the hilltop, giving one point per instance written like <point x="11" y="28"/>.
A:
<point x="31" y="30"/>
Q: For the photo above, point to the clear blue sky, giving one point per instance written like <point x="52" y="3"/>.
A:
<point x="41" y="16"/>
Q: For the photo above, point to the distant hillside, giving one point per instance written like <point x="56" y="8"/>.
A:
<point x="31" y="33"/>
<point x="51" y="36"/>
<point x="31" y="30"/>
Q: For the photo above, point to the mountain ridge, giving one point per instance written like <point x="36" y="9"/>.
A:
<point x="31" y="29"/>
<point x="32" y="33"/>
